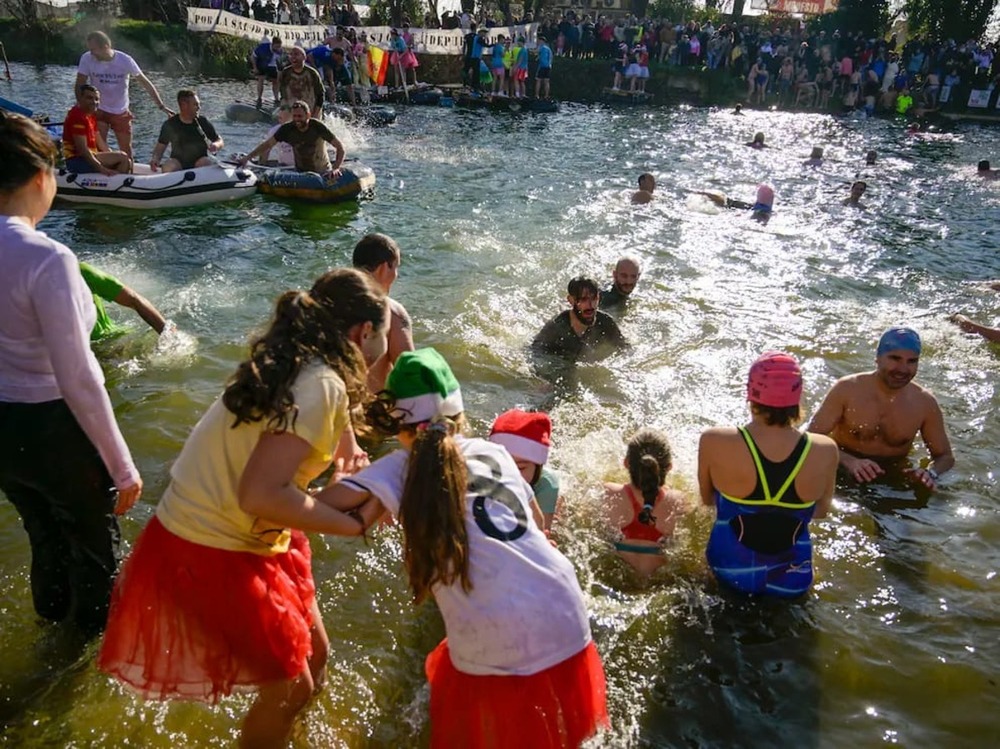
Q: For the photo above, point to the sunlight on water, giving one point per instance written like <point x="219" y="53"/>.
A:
<point x="896" y="643"/>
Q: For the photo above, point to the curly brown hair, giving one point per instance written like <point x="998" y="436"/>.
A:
<point x="308" y="326"/>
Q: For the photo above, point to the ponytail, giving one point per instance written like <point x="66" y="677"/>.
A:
<point x="432" y="509"/>
<point x="649" y="461"/>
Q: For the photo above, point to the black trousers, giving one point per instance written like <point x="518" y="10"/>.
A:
<point x="470" y="72"/>
<point x="57" y="482"/>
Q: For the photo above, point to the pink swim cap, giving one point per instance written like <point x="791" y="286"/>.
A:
<point x="775" y="380"/>
<point x="765" y="194"/>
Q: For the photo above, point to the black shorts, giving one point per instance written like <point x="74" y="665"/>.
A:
<point x="270" y="73"/>
<point x="543" y="74"/>
<point x="342" y="77"/>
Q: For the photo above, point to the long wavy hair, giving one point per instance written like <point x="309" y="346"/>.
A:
<point x="432" y="508"/>
<point x="649" y="462"/>
<point x="307" y="325"/>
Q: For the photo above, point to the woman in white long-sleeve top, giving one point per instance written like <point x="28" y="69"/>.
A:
<point x="63" y="462"/>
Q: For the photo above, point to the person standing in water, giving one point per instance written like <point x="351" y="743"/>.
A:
<point x="766" y="481"/>
<point x="518" y="666"/>
<point x="64" y="464"/>
<point x="218" y="593"/>
<point x="644" y="511"/>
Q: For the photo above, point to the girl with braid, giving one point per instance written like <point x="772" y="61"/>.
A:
<point x="518" y="666"/>
<point x="218" y="593"/>
<point x="644" y="510"/>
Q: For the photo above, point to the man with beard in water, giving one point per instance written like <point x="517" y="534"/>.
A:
<point x="875" y="416"/>
<point x="623" y="280"/>
<point x="581" y="332"/>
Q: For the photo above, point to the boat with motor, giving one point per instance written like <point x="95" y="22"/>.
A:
<point x="146" y="189"/>
<point x="354" y="181"/>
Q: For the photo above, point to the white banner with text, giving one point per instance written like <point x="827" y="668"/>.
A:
<point x="431" y="41"/>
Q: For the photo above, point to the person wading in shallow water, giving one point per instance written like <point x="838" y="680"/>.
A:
<point x="875" y="416"/>
<point x="581" y="333"/>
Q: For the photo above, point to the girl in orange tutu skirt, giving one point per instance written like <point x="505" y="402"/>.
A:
<point x="518" y="667"/>
<point x="218" y="593"/>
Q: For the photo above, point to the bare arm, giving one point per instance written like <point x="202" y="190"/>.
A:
<point x="990" y="334"/>
<point x="144" y="308"/>
<point x="153" y="93"/>
<point x="400" y="335"/>
<point x="158" y="150"/>
<point x="80" y="144"/>
<point x="267" y="489"/>
<point x="260" y="150"/>
<point x="825" y="421"/>
<point x="935" y="436"/>
<point x="705" y="488"/>
<point x="339" y="148"/>
<point x="536" y="513"/>
<point x="830" y="453"/>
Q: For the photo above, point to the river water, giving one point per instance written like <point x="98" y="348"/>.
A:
<point x="898" y="641"/>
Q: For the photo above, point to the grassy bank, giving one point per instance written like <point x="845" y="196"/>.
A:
<point x="173" y="49"/>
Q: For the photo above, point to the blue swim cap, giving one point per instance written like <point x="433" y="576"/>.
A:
<point x="899" y="338"/>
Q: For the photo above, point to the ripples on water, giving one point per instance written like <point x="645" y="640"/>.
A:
<point x="896" y="644"/>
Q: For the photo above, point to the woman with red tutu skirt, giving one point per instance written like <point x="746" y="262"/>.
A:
<point x="518" y="667"/>
<point x="218" y="592"/>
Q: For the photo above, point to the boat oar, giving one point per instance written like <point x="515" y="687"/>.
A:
<point x="6" y="65"/>
<point x="402" y="75"/>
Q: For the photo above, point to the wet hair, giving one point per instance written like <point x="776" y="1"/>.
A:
<point x="778" y="416"/>
<point x="758" y="136"/>
<point x="26" y="148"/>
<point x="307" y="326"/>
<point x="871" y="156"/>
<point x="185" y="93"/>
<point x="374" y="249"/>
<point x="984" y="165"/>
<point x="580" y="284"/>
<point x="817" y="152"/>
<point x="99" y="37"/>
<point x="649" y="461"/>
<point x="644" y="176"/>
<point x="432" y="508"/>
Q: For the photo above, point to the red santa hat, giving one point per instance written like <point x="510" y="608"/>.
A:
<point x="527" y="436"/>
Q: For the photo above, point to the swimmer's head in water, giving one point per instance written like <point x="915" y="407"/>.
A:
<point x="584" y="296"/>
<point x="858" y="189"/>
<point x="626" y="275"/>
<point x="984" y="165"/>
<point x="870" y="157"/>
<point x="423" y="387"/>
<point x="758" y="137"/>
<point x="895" y="339"/>
<point x="775" y="380"/>
<point x="647" y="182"/>
<point x="817" y="153"/>
<point x="765" y="199"/>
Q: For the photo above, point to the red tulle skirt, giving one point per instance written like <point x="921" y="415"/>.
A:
<point x="195" y="622"/>
<point x="557" y="708"/>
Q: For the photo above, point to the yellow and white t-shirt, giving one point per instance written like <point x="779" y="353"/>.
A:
<point x="201" y="505"/>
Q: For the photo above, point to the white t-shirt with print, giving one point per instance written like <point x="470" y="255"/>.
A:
<point x="110" y="77"/>
<point x="525" y="612"/>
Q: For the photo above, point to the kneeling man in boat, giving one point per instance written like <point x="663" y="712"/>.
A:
<point x="874" y="417"/>
<point x="308" y="138"/>
<point x="190" y="136"/>
<point x="84" y="149"/>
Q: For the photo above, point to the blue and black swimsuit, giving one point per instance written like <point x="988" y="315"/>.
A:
<point x="760" y="543"/>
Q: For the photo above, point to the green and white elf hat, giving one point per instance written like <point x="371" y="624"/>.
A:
<point x="424" y="387"/>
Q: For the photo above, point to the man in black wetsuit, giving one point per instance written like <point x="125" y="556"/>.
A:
<point x="581" y="333"/>
<point x="623" y="280"/>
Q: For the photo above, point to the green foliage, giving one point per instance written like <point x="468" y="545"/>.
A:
<point x="868" y="16"/>
<point x="672" y="10"/>
<point x="949" y="19"/>
<point x="392" y="12"/>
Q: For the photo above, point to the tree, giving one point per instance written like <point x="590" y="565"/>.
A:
<point x="673" y="10"/>
<point x="949" y="19"/>
<point x="868" y="16"/>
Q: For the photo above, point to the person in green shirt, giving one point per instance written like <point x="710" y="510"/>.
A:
<point x="105" y="287"/>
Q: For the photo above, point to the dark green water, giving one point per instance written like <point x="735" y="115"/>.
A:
<point x="898" y="641"/>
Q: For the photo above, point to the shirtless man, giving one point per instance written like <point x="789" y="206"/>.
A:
<point x="875" y="416"/>
<point x="379" y="255"/>
<point x="970" y="326"/>
<point x="983" y="170"/>
<point x="647" y="183"/>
